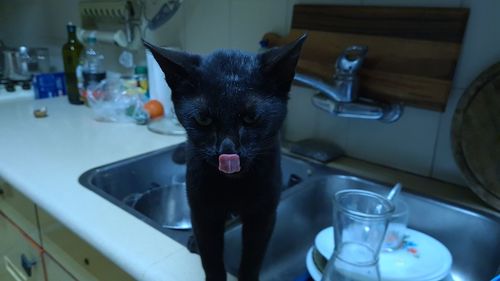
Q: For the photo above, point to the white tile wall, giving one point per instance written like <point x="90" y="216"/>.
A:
<point x="334" y="130"/>
<point x="171" y="34"/>
<point x="206" y="25"/>
<point x="302" y="118"/>
<point x="43" y="23"/>
<point x="481" y="46"/>
<point x="37" y="23"/>
<point x="407" y="144"/>
<point x="246" y="31"/>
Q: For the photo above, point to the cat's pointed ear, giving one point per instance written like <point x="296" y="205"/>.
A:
<point x="179" y="67"/>
<point x="278" y="64"/>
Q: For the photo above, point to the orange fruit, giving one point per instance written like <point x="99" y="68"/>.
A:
<point x="154" y="108"/>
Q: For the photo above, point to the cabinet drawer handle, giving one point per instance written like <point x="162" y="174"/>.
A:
<point x="13" y="271"/>
<point x="27" y="264"/>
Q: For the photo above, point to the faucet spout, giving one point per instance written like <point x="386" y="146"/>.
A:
<point x="340" y="98"/>
<point x="330" y="91"/>
<point x="345" y="81"/>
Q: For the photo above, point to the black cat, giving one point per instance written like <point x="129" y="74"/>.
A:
<point x="232" y="106"/>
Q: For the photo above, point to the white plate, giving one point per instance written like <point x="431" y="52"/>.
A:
<point x="313" y="270"/>
<point x="422" y="257"/>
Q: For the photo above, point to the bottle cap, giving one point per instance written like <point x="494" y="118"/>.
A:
<point x="71" y="27"/>
<point x="91" y="38"/>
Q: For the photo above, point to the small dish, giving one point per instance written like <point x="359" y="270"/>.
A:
<point x="311" y="267"/>
<point x="421" y="257"/>
<point x="166" y="126"/>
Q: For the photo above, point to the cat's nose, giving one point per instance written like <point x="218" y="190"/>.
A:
<point x="227" y="146"/>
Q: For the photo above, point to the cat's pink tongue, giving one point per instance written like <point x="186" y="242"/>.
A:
<point x="229" y="163"/>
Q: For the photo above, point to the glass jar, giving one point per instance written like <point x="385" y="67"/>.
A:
<point x="360" y="223"/>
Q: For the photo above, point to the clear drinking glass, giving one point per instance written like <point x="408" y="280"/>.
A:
<point x="360" y="222"/>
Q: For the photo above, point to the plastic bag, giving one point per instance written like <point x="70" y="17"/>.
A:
<point x="113" y="100"/>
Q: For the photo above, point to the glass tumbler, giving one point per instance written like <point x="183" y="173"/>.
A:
<point x="360" y="221"/>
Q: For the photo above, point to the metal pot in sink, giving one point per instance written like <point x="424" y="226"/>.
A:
<point x="166" y="205"/>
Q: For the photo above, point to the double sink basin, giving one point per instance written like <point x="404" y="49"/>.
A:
<point x="472" y="236"/>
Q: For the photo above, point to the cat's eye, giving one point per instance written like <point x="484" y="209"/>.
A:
<point x="203" y="120"/>
<point x="249" y="119"/>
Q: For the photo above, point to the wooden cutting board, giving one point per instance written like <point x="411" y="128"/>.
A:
<point x="476" y="136"/>
<point x="412" y="52"/>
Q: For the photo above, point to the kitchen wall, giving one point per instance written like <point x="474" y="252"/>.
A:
<point x="37" y="23"/>
<point x="419" y="142"/>
<point x="42" y="23"/>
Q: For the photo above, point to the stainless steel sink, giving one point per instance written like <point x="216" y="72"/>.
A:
<point x="472" y="237"/>
<point x="116" y="181"/>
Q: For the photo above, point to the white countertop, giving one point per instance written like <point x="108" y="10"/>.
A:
<point x="18" y="94"/>
<point x="43" y="159"/>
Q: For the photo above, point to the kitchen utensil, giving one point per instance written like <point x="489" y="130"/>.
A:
<point x="394" y="191"/>
<point x="164" y="14"/>
<point x="475" y="136"/>
<point x="423" y="258"/>
<point x="16" y="64"/>
<point x="21" y="63"/>
<point x="360" y="223"/>
<point x="39" y="61"/>
<point x="412" y="54"/>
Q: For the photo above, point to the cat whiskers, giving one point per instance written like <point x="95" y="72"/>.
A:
<point x="255" y="152"/>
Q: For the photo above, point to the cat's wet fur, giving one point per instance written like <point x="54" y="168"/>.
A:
<point x="234" y="103"/>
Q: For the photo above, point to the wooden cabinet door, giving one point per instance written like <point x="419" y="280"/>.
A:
<point x="75" y="255"/>
<point x="55" y="272"/>
<point x="21" y="257"/>
<point x="19" y="209"/>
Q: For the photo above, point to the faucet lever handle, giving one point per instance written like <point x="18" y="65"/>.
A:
<point x="350" y="59"/>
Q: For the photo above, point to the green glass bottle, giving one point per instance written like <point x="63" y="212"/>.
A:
<point x="71" y="58"/>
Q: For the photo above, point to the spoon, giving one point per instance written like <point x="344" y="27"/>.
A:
<point x="392" y="194"/>
<point x="394" y="191"/>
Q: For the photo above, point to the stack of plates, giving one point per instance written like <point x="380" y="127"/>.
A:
<point x="421" y="258"/>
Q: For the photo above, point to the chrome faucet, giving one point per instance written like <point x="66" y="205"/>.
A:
<point x="340" y="98"/>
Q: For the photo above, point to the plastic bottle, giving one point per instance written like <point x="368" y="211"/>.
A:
<point x="91" y="69"/>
